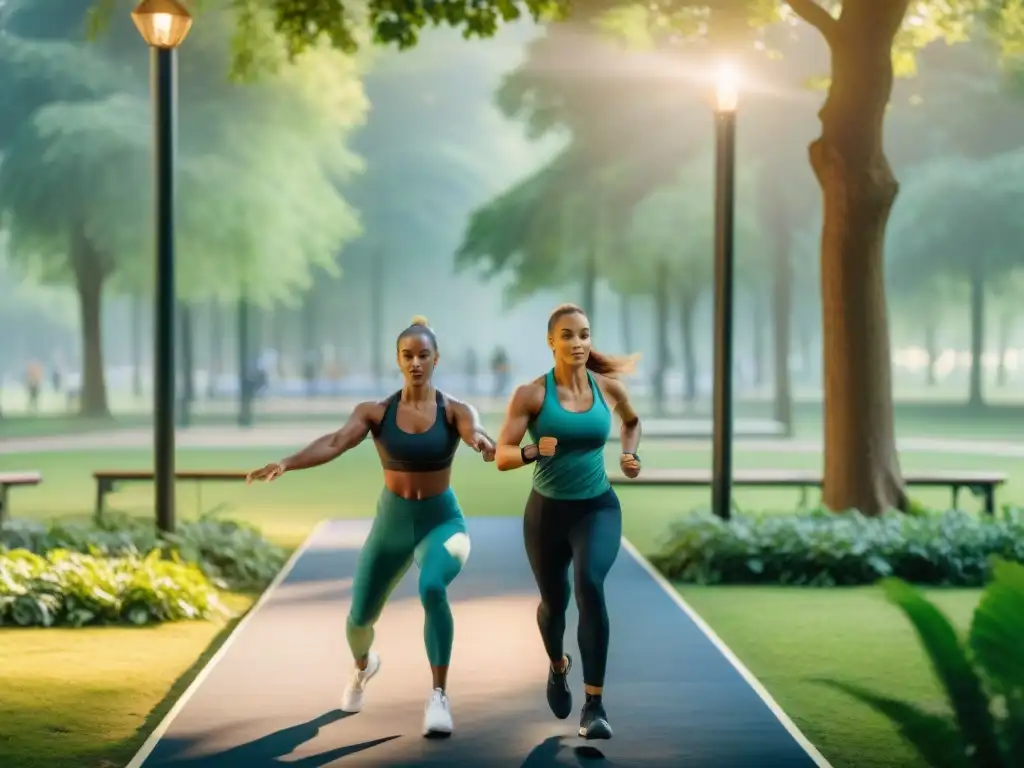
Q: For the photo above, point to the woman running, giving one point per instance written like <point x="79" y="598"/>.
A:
<point x="572" y="514"/>
<point x="416" y="431"/>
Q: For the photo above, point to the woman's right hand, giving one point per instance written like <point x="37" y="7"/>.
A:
<point x="269" y="473"/>
<point x="546" y="446"/>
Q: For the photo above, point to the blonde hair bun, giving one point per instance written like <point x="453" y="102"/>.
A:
<point x="419" y="320"/>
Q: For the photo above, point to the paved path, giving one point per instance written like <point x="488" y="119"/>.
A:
<point x="295" y="435"/>
<point x="676" y="697"/>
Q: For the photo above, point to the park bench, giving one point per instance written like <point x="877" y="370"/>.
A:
<point x="10" y="480"/>
<point x="107" y="481"/>
<point x="979" y="483"/>
<point x="703" y="429"/>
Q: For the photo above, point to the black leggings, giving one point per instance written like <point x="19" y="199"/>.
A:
<point x="586" y="532"/>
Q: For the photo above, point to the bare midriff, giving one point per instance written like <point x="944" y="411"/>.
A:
<point x="417" y="485"/>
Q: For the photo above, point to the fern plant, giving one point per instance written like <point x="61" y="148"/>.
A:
<point x="982" y="677"/>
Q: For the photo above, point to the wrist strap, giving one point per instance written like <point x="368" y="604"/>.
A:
<point x="526" y="460"/>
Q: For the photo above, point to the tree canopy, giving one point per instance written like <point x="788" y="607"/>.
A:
<point x="958" y="215"/>
<point x="259" y="166"/>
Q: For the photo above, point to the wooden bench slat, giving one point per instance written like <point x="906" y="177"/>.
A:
<point x="186" y="474"/>
<point x="768" y="477"/>
<point x="17" y="479"/>
<point x="20" y="478"/>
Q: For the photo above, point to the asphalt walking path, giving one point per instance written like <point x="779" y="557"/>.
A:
<point x="675" y="695"/>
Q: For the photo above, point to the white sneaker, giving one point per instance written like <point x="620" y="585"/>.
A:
<point x="437" y="718"/>
<point x="352" y="698"/>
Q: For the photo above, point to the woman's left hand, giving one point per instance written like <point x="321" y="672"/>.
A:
<point x="484" y="445"/>
<point x="630" y="465"/>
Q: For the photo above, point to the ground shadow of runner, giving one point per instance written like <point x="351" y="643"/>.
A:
<point x="555" y="752"/>
<point x="267" y="751"/>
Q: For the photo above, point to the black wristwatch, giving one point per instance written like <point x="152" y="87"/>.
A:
<point x="636" y="457"/>
<point x="529" y="459"/>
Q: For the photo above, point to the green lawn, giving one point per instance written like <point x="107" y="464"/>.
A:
<point x="85" y="697"/>
<point x="791" y="638"/>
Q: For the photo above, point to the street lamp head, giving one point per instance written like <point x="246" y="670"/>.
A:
<point x="727" y="87"/>
<point x="162" y="23"/>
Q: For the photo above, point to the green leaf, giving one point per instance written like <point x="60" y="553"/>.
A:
<point x="952" y="667"/>
<point x="997" y="630"/>
<point x="935" y="738"/>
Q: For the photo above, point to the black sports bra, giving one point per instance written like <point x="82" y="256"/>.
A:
<point x="407" y="452"/>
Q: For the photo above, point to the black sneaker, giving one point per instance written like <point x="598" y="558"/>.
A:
<point x="559" y="695"/>
<point x="594" y="722"/>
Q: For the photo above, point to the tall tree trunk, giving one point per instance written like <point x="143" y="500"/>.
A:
<point x="626" y="320"/>
<point x="1005" y="334"/>
<point x="216" y="363"/>
<point x="975" y="396"/>
<point x="246" y="369"/>
<point x="661" y="312"/>
<point x="782" y="315"/>
<point x="278" y="319"/>
<point x="137" y="346"/>
<point x="931" y="346"/>
<point x="862" y="468"/>
<point x="757" y="315"/>
<point x="687" y="319"/>
<point x="589" y="287"/>
<point x="311" y="368"/>
<point x="803" y="337"/>
<point x="377" y="317"/>
<point x="91" y="271"/>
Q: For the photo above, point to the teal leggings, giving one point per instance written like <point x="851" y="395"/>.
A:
<point x="433" y="533"/>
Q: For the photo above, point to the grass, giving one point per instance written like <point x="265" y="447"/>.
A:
<point x="791" y="638"/>
<point x="88" y="698"/>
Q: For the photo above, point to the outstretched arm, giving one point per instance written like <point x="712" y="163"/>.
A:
<point x="471" y="429"/>
<point x="331" y="446"/>
<point x="521" y="408"/>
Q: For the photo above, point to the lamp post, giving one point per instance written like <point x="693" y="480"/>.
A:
<point x="727" y="96"/>
<point x="163" y="24"/>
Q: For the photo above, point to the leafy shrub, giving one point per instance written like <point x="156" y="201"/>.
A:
<point x="822" y="548"/>
<point x="983" y="678"/>
<point x="233" y="554"/>
<point x="74" y="589"/>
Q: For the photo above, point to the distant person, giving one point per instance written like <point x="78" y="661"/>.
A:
<point x="311" y="370"/>
<point x="33" y="383"/>
<point x="500" y="369"/>
<point x="259" y="378"/>
<point x="416" y="431"/>
<point x="267" y="363"/>
<point x="335" y="373"/>
<point x="471" y="371"/>
<point x="572" y="514"/>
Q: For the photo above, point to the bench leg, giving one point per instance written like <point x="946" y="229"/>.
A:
<point x="803" y="497"/>
<point x="3" y="504"/>
<point x="103" y="487"/>
<point x="956" y="496"/>
<point x="990" y="500"/>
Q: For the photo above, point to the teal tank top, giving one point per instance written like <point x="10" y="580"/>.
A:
<point x="576" y="471"/>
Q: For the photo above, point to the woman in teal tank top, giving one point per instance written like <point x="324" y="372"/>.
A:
<point x="416" y="432"/>
<point x="572" y="514"/>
